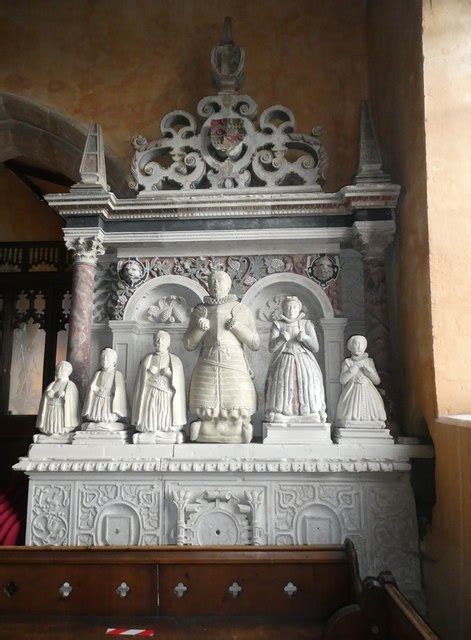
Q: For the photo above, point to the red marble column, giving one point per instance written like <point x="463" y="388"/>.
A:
<point x="86" y="252"/>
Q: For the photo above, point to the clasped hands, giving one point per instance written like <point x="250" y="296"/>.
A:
<point x="203" y="324"/>
<point x="301" y="336"/>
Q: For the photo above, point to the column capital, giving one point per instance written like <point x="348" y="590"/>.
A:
<point x="86" y="250"/>
<point x="372" y="238"/>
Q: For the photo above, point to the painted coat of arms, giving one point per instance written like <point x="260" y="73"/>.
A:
<point x="227" y="134"/>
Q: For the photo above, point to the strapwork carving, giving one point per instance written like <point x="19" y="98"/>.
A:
<point x="229" y="149"/>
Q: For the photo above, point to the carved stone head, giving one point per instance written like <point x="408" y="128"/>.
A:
<point x="219" y="284"/>
<point x="132" y="272"/>
<point x="63" y="370"/>
<point x="108" y="359"/>
<point x="161" y="341"/>
<point x="357" y="345"/>
<point x="292" y="307"/>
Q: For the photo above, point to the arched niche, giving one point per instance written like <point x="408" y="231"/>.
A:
<point x="264" y="299"/>
<point x="33" y="130"/>
<point x="164" y="303"/>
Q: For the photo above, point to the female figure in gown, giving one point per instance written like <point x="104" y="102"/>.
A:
<point x="159" y="408"/>
<point x="59" y="411"/>
<point x="359" y="401"/>
<point x="294" y="382"/>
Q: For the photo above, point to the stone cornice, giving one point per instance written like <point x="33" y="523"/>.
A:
<point x="223" y="203"/>
<point x="251" y="458"/>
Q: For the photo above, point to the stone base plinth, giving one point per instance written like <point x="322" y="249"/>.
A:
<point x="153" y="494"/>
<point x="363" y="432"/>
<point x="100" y="436"/>
<point x="104" y="426"/>
<point x="160" y="437"/>
<point x="55" y="438"/>
<point x="296" y="433"/>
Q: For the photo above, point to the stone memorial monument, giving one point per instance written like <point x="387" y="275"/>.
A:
<point x="59" y="410"/>
<point x="295" y="410"/>
<point x="222" y="393"/>
<point x="228" y="197"/>
<point x="360" y="410"/>
<point x="159" y="407"/>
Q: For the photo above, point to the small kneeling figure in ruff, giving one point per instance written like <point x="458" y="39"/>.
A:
<point x="106" y="407"/>
<point x="59" y="410"/>
<point x="159" y="407"/>
<point x="359" y="401"/>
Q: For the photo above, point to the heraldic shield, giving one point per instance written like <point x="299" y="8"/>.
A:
<point x="227" y="134"/>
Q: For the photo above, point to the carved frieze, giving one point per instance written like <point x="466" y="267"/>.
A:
<point x="115" y="283"/>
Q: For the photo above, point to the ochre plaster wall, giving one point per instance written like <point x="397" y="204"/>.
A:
<point x="126" y="63"/>
<point x="432" y="261"/>
<point x="23" y="217"/>
<point x="396" y="87"/>
<point x="447" y="74"/>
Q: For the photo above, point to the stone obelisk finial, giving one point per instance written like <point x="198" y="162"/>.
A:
<point x="227" y="62"/>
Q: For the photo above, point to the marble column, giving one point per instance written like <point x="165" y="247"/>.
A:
<point x="372" y="239"/>
<point x="85" y="252"/>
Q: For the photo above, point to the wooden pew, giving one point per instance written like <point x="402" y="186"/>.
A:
<point x="302" y="592"/>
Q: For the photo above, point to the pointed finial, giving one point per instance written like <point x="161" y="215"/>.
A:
<point x="227" y="62"/>
<point x="92" y="167"/>
<point x="227" y="31"/>
<point x="369" y="168"/>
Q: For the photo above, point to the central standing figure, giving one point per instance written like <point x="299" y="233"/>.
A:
<point x="222" y="393"/>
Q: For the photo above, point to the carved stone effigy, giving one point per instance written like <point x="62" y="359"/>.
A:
<point x="295" y="409"/>
<point x="105" y="409"/>
<point x="360" y="410"/>
<point x="159" y="407"/>
<point x="231" y="193"/>
<point x="222" y="393"/>
<point x="59" y="410"/>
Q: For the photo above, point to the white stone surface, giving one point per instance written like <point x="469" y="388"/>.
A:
<point x="101" y="436"/>
<point x="296" y="432"/>
<point x="367" y="432"/>
<point x="59" y="410"/>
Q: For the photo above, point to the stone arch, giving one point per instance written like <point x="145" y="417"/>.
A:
<point x="263" y="298"/>
<point x="171" y="284"/>
<point x="132" y="336"/>
<point x="36" y="131"/>
<point x="290" y="284"/>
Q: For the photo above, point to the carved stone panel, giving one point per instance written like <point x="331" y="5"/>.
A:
<point x="49" y="515"/>
<point x="227" y="515"/>
<point x="118" y="514"/>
